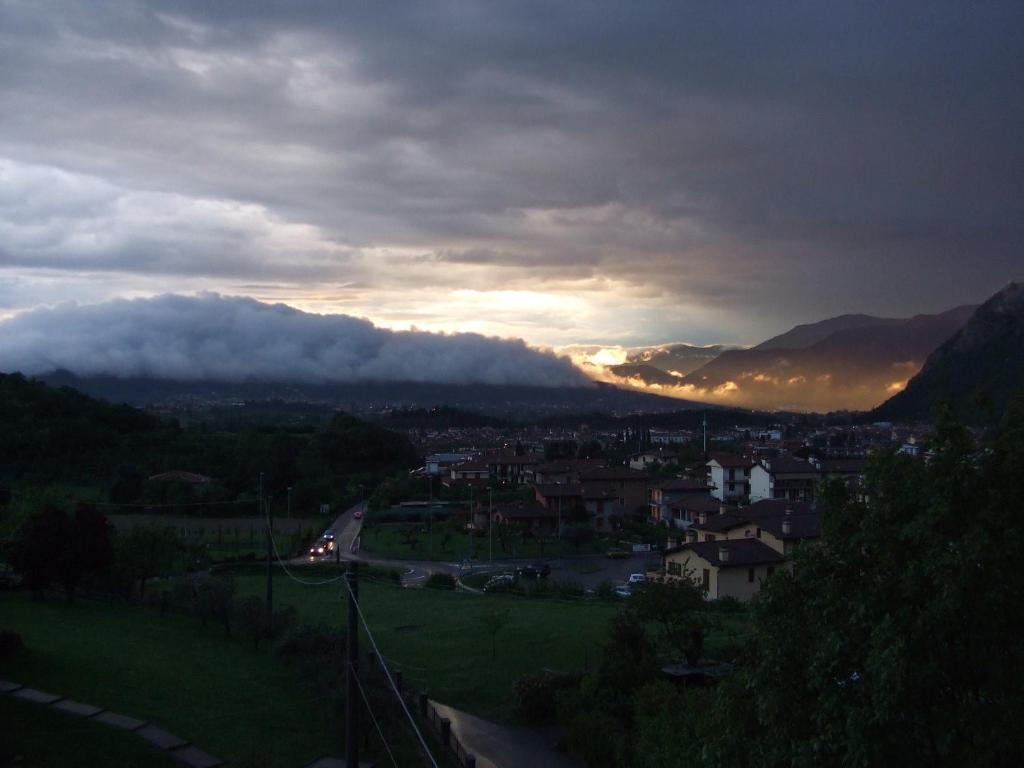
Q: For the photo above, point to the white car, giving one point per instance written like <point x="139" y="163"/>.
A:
<point x="637" y="578"/>
<point x="623" y="592"/>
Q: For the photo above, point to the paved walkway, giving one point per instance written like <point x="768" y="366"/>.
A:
<point x="179" y="748"/>
<point x="503" y="746"/>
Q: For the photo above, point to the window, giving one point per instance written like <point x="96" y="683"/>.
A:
<point x="709" y="537"/>
<point x="750" y="575"/>
<point x="707" y="580"/>
<point x="675" y="569"/>
<point x="771" y="569"/>
<point x="759" y="533"/>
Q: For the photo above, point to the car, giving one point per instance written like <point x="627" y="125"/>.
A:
<point x="637" y="578"/>
<point x="500" y="583"/>
<point x="328" y="536"/>
<point x="358" y="514"/>
<point x="534" y="571"/>
<point x="623" y="592"/>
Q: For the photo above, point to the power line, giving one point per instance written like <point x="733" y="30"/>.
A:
<point x="391" y="680"/>
<point x="373" y="717"/>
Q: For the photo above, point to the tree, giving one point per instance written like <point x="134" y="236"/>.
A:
<point x="676" y="607"/>
<point x="578" y="535"/>
<point x="37" y="545"/>
<point x="144" y="552"/>
<point x="493" y="622"/>
<point x="898" y="639"/>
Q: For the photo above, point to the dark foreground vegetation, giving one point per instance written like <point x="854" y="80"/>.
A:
<point x="899" y="640"/>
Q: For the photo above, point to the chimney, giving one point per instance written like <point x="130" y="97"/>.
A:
<point x="787" y="527"/>
<point x="723" y="555"/>
<point x="722" y="509"/>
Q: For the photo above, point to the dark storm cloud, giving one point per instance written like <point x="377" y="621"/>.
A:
<point x="781" y="160"/>
<point x="210" y="337"/>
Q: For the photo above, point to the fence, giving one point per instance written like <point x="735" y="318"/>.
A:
<point x="442" y="728"/>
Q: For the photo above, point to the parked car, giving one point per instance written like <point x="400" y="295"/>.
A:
<point x="534" y="571"/>
<point x="500" y="583"/>
<point x="623" y="592"/>
<point x="637" y="578"/>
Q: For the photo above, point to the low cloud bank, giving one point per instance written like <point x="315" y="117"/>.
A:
<point x="233" y="339"/>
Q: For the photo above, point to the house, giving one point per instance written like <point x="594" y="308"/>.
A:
<point x="730" y="476"/>
<point x="779" y="524"/>
<point x="783" y="477"/>
<point x="565" y="471"/>
<point x="734" y="568"/>
<point x="654" y="458"/>
<point x="729" y="553"/>
<point x="686" y="511"/>
<point x="440" y="463"/>
<point x="509" y="468"/>
<point x="668" y="492"/>
<point x="614" y="491"/>
<point x="476" y="469"/>
<point x="528" y="515"/>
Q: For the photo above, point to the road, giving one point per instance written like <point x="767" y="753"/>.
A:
<point x="589" y="570"/>
<point x="503" y="746"/>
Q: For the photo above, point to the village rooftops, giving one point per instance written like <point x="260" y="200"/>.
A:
<point x="731" y="461"/>
<point x="568" y="465"/>
<point x="559" y="490"/>
<point x="613" y="474"/>
<point x="784" y="464"/>
<point x="178" y="476"/>
<point x="683" y="485"/>
<point x="738" y="552"/>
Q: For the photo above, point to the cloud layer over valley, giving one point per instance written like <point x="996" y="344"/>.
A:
<point x="232" y="339"/>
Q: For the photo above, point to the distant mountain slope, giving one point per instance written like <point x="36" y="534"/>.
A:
<point x="809" y="334"/>
<point x="665" y="365"/>
<point x="856" y="365"/>
<point x="985" y="359"/>
<point x="505" y="401"/>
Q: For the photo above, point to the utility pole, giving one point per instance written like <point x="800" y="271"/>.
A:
<point x="351" y="688"/>
<point x="270" y="565"/>
<point x="490" y="527"/>
<point x="289" y="502"/>
<point x="705" y="434"/>
<point x="472" y="523"/>
<point x="559" y="514"/>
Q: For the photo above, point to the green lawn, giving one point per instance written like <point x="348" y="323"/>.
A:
<point x="35" y="735"/>
<point x="389" y="541"/>
<point x="438" y="639"/>
<point x="222" y="695"/>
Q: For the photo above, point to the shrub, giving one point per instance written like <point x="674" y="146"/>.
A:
<point x="441" y="581"/>
<point x="569" y="587"/>
<point x="605" y="590"/>
<point x="10" y="644"/>
<point x="537" y="695"/>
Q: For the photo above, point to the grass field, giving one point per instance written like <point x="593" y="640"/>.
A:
<point x="439" y="640"/>
<point x="230" y="700"/>
<point x="35" y="735"/>
<point x="390" y="542"/>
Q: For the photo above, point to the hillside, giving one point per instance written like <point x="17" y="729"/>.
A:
<point x="856" y="364"/>
<point x="61" y="437"/>
<point x="978" y="370"/>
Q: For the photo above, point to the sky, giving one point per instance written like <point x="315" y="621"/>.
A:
<point x="587" y="173"/>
